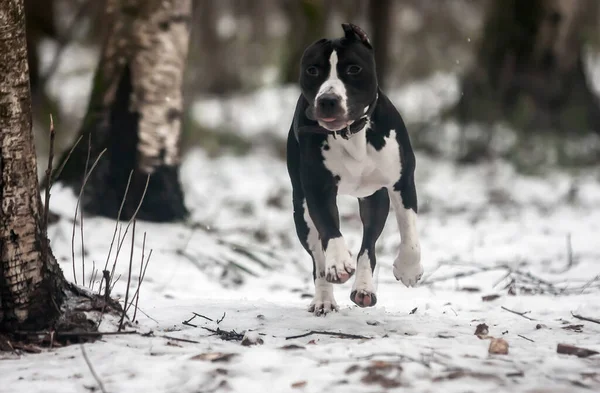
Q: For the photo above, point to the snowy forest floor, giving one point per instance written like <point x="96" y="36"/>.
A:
<point x="492" y="241"/>
<point x="517" y="253"/>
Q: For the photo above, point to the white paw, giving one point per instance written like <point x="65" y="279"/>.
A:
<point x="339" y="265"/>
<point x="323" y="302"/>
<point x="407" y="266"/>
<point x="363" y="290"/>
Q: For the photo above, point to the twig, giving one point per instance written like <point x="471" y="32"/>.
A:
<point x="87" y="176"/>
<point x="112" y="242"/>
<point x="521" y="314"/>
<point x="89" y="364"/>
<point x="185" y="340"/>
<point x="128" y="276"/>
<point x="202" y="316"/>
<point x="588" y="319"/>
<point x="87" y="163"/>
<point x="106" y="277"/>
<point x="221" y="319"/>
<point x="523" y="337"/>
<point x="570" y="260"/>
<point x="337" y="334"/>
<point x="133" y="217"/>
<point x="136" y="295"/>
<point x="46" y="241"/>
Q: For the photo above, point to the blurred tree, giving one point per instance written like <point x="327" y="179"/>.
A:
<point x="135" y="113"/>
<point x="380" y="18"/>
<point x="530" y="70"/>
<point x="31" y="283"/>
<point x="308" y="19"/>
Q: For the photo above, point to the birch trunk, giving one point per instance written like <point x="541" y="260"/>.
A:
<point x="31" y="283"/>
<point x="530" y="69"/>
<point x="135" y="112"/>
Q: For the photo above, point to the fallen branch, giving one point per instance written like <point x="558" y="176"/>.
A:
<point x="588" y="319"/>
<point x="521" y="314"/>
<point x="337" y="334"/>
<point x="226" y="335"/>
<point x="89" y="364"/>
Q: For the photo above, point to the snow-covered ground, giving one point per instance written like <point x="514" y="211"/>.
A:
<point x="485" y="230"/>
<point x="239" y="258"/>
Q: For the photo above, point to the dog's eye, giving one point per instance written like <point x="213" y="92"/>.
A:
<point x="312" y="71"/>
<point x="353" y="70"/>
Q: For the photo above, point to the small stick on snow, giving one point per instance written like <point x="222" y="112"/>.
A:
<point x="184" y="340"/>
<point x="521" y="314"/>
<point x="337" y="334"/>
<point x="202" y="316"/>
<point x="525" y="338"/>
<point x="221" y="319"/>
<point x="89" y="364"/>
<point x="588" y="319"/>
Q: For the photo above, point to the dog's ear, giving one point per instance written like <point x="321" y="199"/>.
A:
<point x="352" y="31"/>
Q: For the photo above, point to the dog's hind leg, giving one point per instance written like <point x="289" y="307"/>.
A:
<point x="407" y="265"/>
<point x="374" y="210"/>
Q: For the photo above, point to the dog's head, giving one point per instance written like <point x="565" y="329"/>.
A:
<point x="338" y="78"/>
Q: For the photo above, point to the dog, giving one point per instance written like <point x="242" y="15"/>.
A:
<point x="348" y="138"/>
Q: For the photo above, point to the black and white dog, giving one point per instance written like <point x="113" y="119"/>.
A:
<point x="348" y="138"/>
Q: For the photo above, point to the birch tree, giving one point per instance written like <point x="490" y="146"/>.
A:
<point x="135" y="112"/>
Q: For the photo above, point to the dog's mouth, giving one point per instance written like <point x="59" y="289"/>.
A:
<point x="334" y="123"/>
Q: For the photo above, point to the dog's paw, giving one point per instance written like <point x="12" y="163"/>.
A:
<point x="322" y="304"/>
<point x="407" y="266"/>
<point x="339" y="265"/>
<point x="363" y="290"/>
<point x="363" y="298"/>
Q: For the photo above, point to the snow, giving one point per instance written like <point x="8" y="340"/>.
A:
<point x="238" y="259"/>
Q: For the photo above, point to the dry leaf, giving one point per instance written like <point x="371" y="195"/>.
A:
<point x="489" y="298"/>
<point x="352" y="369"/>
<point x="573" y="350"/>
<point x="299" y="384"/>
<point x="214" y="356"/>
<point x="498" y="346"/>
<point x="414" y="310"/>
<point x="312" y="342"/>
<point x="482" y="330"/>
<point x="291" y="347"/>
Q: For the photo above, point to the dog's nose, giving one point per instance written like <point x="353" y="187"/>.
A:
<point x="328" y="103"/>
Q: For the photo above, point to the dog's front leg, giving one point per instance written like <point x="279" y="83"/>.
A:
<point x="407" y="265"/>
<point x="322" y="207"/>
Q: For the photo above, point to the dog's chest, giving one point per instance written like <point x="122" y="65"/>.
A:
<point x="360" y="168"/>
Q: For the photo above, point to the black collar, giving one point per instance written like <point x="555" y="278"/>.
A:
<point x="347" y="132"/>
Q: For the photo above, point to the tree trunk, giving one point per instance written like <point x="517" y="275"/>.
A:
<point x="380" y="18"/>
<point x="308" y="20"/>
<point x="135" y="113"/>
<point x="530" y="71"/>
<point x="31" y="282"/>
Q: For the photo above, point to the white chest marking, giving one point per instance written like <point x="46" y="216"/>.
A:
<point x="333" y="84"/>
<point x="362" y="169"/>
